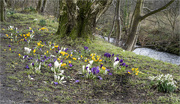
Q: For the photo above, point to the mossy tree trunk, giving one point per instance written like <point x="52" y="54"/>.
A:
<point x="38" y="8"/>
<point x="43" y="6"/>
<point x="3" y="10"/>
<point x="118" y="23"/>
<point x="136" y="19"/>
<point x="78" y="18"/>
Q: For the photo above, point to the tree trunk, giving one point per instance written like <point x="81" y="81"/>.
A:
<point x="118" y="23"/>
<point x="39" y="6"/>
<point x="43" y="6"/>
<point x="136" y="19"/>
<point x="3" y="10"/>
<point x="78" y="18"/>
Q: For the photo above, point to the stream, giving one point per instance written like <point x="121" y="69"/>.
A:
<point x="163" y="56"/>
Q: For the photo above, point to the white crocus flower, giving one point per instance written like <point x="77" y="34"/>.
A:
<point x="52" y="56"/>
<point x="59" y="51"/>
<point x="91" y="62"/>
<point x="88" y="70"/>
<point x="115" y="63"/>
<point x="27" y="50"/>
<point x="83" y="67"/>
<point x="115" y="58"/>
<point x="57" y="64"/>
<point x="38" y="69"/>
<point x="89" y="65"/>
<point x="30" y="77"/>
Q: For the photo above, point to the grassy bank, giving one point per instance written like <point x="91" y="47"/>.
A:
<point x="40" y="87"/>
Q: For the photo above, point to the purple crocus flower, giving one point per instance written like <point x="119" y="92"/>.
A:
<point x="107" y="55"/>
<point x="70" y="65"/>
<point x="32" y="64"/>
<point x="52" y="44"/>
<point x="9" y="45"/>
<point x="27" y="67"/>
<point x="100" y="77"/>
<point x="108" y="70"/>
<point x="25" y="56"/>
<point x="126" y="65"/>
<point x="95" y="70"/>
<point x="123" y="64"/>
<point x="112" y="54"/>
<point x="66" y="49"/>
<point x="40" y="49"/>
<point x="117" y="59"/>
<point x="77" y="81"/>
<point x="30" y="31"/>
<point x="25" y="40"/>
<point x="121" y="60"/>
<point x="85" y="48"/>
<point x="45" y="56"/>
<point x="56" y="51"/>
<point x="58" y="48"/>
<point x="50" y="65"/>
<point x="42" y="60"/>
<point x="110" y="73"/>
<point x="101" y="65"/>
<point x="55" y="60"/>
<point x="55" y="83"/>
<point x="61" y="61"/>
<point x="86" y="68"/>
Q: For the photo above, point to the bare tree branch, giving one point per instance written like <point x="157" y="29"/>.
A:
<point x="158" y="10"/>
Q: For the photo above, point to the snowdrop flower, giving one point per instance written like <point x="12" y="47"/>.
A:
<point x="35" y="19"/>
<point x="152" y="78"/>
<point x="27" y="50"/>
<point x="79" y="58"/>
<point x="115" y="63"/>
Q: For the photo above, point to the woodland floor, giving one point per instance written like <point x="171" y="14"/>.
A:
<point x="15" y="86"/>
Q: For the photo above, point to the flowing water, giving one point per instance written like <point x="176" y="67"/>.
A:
<point x="163" y="56"/>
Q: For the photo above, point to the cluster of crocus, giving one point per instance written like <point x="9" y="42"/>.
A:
<point x="108" y="55"/>
<point x="43" y="28"/>
<point x="58" y="73"/>
<point x="135" y="71"/>
<point x="96" y="66"/>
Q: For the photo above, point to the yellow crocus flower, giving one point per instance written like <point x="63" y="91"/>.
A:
<point x="104" y="68"/>
<point x="34" y="51"/>
<point x="74" y="58"/>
